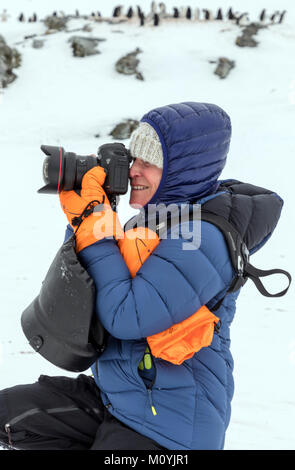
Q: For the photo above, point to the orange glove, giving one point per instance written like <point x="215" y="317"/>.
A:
<point x="92" y="225"/>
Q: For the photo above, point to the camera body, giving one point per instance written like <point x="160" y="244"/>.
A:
<point x="65" y="170"/>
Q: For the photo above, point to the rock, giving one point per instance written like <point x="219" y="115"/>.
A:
<point x="87" y="27"/>
<point x="128" y="64"/>
<point x="252" y="28"/>
<point x="224" y="67"/>
<point x="10" y="59"/>
<point x="56" y="23"/>
<point x="124" y="129"/>
<point x="246" y="40"/>
<point x="84" y="46"/>
<point x="37" y="43"/>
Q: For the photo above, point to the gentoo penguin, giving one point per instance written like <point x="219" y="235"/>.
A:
<point x="156" y="19"/>
<point x="175" y="13"/>
<point x="21" y="17"/>
<point x="163" y="12"/>
<point x="274" y="16"/>
<point x="243" y="19"/>
<point x="188" y="13"/>
<point x="153" y="7"/>
<point x="262" y="15"/>
<point x="197" y="14"/>
<point x="282" y="16"/>
<point x="219" y="14"/>
<point x="181" y="12"/>
<point x="230" y="14"/>
<point x="129" y="12"/>
<point x="206" y="14"/>
<point x="4" y="15"/>
<point x="117" y="11"/>
<point x="141" y="17"/>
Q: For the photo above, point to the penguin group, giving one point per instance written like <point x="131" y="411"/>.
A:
<point x="31" y="19"/>
<point x="158" y="13"/>
<point x="275" y="18"/>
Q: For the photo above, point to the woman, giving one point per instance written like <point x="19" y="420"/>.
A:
<point x="137" y="399"/>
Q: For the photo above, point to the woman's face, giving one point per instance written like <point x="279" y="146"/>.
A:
<point x="145" y="179"/>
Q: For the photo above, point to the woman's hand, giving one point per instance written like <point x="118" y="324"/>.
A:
<point x="96" y="224"/>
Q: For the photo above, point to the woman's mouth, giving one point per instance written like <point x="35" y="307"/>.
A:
<point x="139" y="188"/>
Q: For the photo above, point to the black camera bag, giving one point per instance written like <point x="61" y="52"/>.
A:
<point x="61" y="323"/>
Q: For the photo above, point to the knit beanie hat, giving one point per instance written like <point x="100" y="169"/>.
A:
<point x="145" y="145"/>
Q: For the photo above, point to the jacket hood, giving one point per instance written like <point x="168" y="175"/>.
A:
<point x="195" y="139"/>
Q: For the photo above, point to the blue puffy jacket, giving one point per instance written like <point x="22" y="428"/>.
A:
<point x="192" y="400"/>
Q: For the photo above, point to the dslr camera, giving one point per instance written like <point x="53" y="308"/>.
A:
<point x="65" y="170"/>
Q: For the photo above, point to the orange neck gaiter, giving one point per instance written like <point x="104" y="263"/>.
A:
<point x="182" y="340"/>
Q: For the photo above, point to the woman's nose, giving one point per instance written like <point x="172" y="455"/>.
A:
<point x="134" y="170"/>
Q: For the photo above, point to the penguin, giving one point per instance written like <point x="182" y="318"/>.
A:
<point x="34" y="18"/>
<point x="21" y="17"/>
<point x="262" y="15"/>
<point x="188" y="13"/>
<point x="117" y="11"/>
<point x="4" y="15"/>
<point x="163" y="12"/>
<point x="77" y="13"/>
<point x="181" y="12"/>
<point x="197" y="14"/>
<point x="156" y="19"/>
<point x="129" y="13"/>
<point x="243" y="19"/>
<point x="219" y="14"/>
<point x="230" y="14"/>
<point x="175" y="13"/>
<point x="54" y="13"/>
<point x="206" y="14"/>
<point x="281" y="19"/>
<point x="273" y="16"/>
<point x="141" y="17"/>
<point x="153" y="8"/>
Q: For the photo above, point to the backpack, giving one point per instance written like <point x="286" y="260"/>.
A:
<point x="61" y="323"/>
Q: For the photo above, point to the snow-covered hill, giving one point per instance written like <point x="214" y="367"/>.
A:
<point x="58" y="99"/>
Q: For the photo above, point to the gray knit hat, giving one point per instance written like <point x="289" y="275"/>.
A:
<point x="145" y="145"/>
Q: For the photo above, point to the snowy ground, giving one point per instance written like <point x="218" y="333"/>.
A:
<point x="61" y="100"/>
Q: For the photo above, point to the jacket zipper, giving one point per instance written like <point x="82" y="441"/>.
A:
<point x="149" y="389"/>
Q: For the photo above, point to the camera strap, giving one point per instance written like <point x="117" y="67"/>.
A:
<point x="77" y="221"/>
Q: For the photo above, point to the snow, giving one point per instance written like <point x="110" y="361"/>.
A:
<point x="58" y="99"/>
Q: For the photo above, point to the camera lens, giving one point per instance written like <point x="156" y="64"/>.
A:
<point x="45" y="170"/>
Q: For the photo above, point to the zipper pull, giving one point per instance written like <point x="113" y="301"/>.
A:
<point x="151" y="402"/>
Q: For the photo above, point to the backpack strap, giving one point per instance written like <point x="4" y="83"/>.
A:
<point x="240" y="258"/>
<point x="239" y="255"/>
